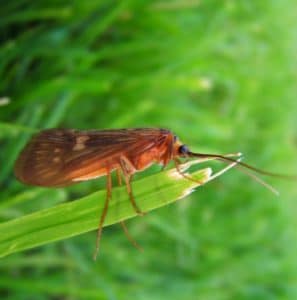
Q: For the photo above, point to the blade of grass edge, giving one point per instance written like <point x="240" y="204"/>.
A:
<point x="82" y="215"/>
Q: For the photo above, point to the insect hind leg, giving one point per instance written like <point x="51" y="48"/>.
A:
<point x="104" y="213"/>
<point x="123" y="224"/>
<point x="128" y="169"/>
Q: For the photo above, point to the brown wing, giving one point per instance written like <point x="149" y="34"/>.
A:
<point x="59" y="157"/>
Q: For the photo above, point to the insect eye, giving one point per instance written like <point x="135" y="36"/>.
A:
<point x="183" y="150"/>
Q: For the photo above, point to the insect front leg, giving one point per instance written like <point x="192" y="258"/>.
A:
<point x="177" y="163"/>
<point x="128" y="170"/>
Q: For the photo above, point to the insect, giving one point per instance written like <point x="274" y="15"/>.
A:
<point x="61" y="157"/>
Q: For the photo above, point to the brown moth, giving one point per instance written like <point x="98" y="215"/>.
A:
<point x="61" y="157"/>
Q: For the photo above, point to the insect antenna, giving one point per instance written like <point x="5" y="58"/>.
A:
<point x="243" y="167"/>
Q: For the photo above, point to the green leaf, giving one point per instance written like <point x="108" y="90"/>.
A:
<point x="76" y="217"/>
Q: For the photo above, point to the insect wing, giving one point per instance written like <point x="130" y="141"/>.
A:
<point x="60" y="157"/>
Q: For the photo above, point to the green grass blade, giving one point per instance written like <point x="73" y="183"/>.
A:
<point x="70" y="219"/>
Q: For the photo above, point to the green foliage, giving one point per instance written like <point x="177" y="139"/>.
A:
<point x="80" y="216"/>
<point x="219" y="74"/>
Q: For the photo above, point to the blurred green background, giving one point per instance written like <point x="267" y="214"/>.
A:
<point x="219" y="74"/>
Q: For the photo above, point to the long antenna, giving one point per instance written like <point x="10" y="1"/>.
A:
<point x="245" y="169"/>
<point x="239" y="163"/>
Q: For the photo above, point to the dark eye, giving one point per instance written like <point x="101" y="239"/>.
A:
<point x="183" y="150"/>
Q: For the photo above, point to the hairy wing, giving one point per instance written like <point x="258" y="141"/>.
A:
<point x="59" y="157"/>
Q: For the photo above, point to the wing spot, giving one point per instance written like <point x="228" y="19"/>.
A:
<point x="56" y="159"/>
<point x="80" y="142"/>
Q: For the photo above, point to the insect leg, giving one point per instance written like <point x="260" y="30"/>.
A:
<point x="127" y="169"/>
<point x="177" y="163"/>
<point x="119" y="177"/>
<point x="104" y="212"/>
<point x="123" y="224"/>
